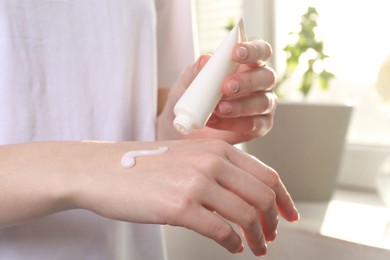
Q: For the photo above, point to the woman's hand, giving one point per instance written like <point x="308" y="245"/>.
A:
<point x="198" y="184"/>
<point x="247" y="107"/>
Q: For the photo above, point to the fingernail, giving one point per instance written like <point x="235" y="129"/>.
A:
<point x="262" y="251"/>
<point x="196" y="67"/>
<point x="233" y="86"/>
<point x="265" y="249"/>
<point x="273" y="237"/>
<point x="225" y="107"/>
<point x="298" y="215"/>
<point x="242" y="53"/>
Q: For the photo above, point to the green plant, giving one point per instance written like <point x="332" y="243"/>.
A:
<point x="230" y="25"/>
<point x="309" y="47"/>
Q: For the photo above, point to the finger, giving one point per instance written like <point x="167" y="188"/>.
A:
<point x="240" y="212"/>
<point x="260" y="204"/>
<point x="208" y="224"/>
<point x="259" y="104"/>
<point x="192" y="71"/>
<point x="199" y="64"/>
<point x="259" y="79"/>
<point x="249" y="127"/>
<point x="268" y="176"/>
<point x="255" y="52"/>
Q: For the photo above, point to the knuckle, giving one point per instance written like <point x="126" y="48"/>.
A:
<point x="241" y="108"/>
<point x="187" y="197"/>
<point x="194" y="186"/>
<point x="215" y="149"/>
<point x="209" y="162"/>
<point x="264" y="49"/>
<point x="250" y="82"/>
<point x="185" y="203"/>
<point x="269" y="76"/>
<point x="273" y="178"/>
<point x="181" y="207"/>
<point x="198" y="183"/>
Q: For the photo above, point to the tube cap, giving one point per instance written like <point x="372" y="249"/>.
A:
<point x="183" y="124"/>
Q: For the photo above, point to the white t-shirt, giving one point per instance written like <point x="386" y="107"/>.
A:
<point x="86" y="69"/>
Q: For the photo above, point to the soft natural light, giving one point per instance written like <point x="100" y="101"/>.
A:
<point x="213" y="17"/>
<point x="356" y="39"/>
<point x="354" y="34"/>
<point x="357" y="222"/>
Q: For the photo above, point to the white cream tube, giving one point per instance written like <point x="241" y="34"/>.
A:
<point x="200" y="99"/>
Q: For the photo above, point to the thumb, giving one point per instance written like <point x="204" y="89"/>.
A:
<point x="177" y="90"/>
<point x="192" y="71"/>
<point x="185" y="79"/>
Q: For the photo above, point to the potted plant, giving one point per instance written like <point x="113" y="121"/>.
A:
<point x="306" y="143"/>
<point x="310" y="50"/>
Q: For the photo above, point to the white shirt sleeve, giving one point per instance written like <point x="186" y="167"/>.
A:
<point x="176" y="44"/>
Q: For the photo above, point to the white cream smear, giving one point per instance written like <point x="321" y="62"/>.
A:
<point x="128" y="159"/>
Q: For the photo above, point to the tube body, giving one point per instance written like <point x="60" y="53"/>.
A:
<point x="200" y="99"/>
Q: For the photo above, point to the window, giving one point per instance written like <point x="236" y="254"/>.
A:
<point x="213" y="17"/>
<point x="355" y="38"/>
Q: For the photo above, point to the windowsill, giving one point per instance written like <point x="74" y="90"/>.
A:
<point x="360" y="165"/>
<point x="324" y="232"/>
<point x="354" y="216"/>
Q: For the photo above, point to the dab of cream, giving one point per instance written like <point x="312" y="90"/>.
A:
<point x="128" y="159"/>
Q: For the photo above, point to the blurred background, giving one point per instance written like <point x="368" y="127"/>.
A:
<point x="353" y="36"/>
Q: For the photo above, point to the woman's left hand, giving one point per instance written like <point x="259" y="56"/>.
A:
<point x="245" y="111"/>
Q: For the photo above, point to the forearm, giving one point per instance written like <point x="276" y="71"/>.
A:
<point x="33" y="181"/>
<point x="38" y="179"/>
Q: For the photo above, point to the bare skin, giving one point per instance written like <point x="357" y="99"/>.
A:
<point x="245" y="112"/>
<point x="213" y="177"/>
<point x="201" y="183"/>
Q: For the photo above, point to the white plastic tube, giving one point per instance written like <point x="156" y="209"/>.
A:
<point x="200" y="99"/>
